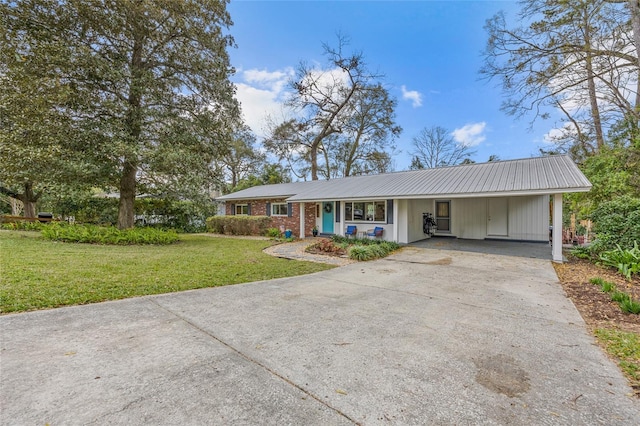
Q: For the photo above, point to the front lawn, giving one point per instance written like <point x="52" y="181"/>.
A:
<point x="39" y="274"/>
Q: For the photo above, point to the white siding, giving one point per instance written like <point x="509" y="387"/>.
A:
<point x="529" y="218"/>
<point x="470" y="218"/>
<point x="414" y="222"/>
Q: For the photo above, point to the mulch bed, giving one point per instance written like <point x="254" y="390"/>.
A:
<point x="596" y="306"/>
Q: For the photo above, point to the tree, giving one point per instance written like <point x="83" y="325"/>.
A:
<point x="151" y="78"/>
<point x="575" y="56"/>
<point x="41" y="145"/>
<point x="368" y="134"/>
<point x="240" y="158"/>
<point x="272" y="173"/>
<point x="434" y="147"/>
<point x="324" y="103"/>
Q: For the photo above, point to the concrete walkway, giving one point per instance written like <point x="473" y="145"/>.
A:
<point x="424" y="337"/>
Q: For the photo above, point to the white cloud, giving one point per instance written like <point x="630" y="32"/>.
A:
<point x="470" y="134"/>
<point x="261" y="94"/>
<point x="412" y="95"/>
<point x="557" y="135"/>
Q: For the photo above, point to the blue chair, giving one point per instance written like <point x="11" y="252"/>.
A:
<point x="375" y="232"/>
<point x="351" y="231"/>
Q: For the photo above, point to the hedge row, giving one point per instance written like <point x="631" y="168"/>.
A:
<point x="239" y="225"/>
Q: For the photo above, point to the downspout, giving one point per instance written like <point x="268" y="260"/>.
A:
<point x="303" y="215"/>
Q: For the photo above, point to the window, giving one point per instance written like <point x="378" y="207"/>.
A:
<point x="373" y="211"/>
<point x="443" y="216"/>
<point x="242" y="209"/>
<point x="279" y="209"/>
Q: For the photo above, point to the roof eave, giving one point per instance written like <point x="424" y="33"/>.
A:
<point x="454" y="195"/>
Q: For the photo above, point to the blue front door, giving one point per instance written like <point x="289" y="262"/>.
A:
<point x="327" y="218"/>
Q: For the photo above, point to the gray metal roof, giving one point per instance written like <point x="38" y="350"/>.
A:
<point x="541" y="175"/>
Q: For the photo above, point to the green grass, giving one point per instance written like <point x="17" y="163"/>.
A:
<point x="625" y="348"/>
<point x="39" y="274"/>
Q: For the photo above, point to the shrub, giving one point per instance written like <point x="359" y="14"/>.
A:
<point x="184" y="216"/>
<point x="581" y="252"/>
<point x="273" y="233"/>
<point x="22" y="225"/>
<point x="327" y="246"/>
<point x="616" y="222"/>
<point x="627" y="261"/>
<point x="94" y="234"/>
<point x="360" y="253"/>
<point x="238" y="225"/>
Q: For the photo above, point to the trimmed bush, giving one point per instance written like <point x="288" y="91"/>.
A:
<point x="93" y="234"/>
<point x="239" y="225"/>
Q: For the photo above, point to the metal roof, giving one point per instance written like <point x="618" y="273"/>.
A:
<point x="540" y="175"/>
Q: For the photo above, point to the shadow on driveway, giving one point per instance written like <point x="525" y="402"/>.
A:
<point x="535" y="250"/>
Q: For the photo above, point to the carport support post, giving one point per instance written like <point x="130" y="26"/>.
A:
<point x="302" y="217"/>
<point x="556" y="245"/>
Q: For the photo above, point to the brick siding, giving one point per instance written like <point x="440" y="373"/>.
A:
<point x="259" y="208"/>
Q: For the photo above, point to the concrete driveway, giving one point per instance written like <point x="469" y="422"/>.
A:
<point x="424" y="337"/>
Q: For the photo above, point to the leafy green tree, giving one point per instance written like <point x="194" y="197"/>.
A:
<point x="42" y="146"/>
<point x="272" y="173"/>
<point x="151" y="78"/>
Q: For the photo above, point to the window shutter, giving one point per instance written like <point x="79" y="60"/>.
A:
<point x="268" y="209"/>
<point x="390" y="212"/>
<point x="233" y="209"/>
<point x="249" y="209"/>
<point x="289" y="209"/>
<point x="338" y="211"/>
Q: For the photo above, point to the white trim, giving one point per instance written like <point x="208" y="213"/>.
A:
<point x="286" y="206"/>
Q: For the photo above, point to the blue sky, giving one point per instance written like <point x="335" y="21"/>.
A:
<point x="429" y="51"/>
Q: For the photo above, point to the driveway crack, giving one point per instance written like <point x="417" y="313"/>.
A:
<point x="255" y="361"/>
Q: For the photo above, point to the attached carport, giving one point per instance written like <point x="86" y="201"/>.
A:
<point x="513" y="200"/>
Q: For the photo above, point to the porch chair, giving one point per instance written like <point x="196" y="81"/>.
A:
<point x="351" y="231"/>
<point x="375" y="232"/>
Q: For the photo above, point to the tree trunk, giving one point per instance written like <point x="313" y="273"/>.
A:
<point x="134" y="128"/>
<point x="314" y="161"/>
<point x="591" y="85"/>
<point x="634" y="7"/>
<point x="127" y="196"/>
<point x="29" y="200"/>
